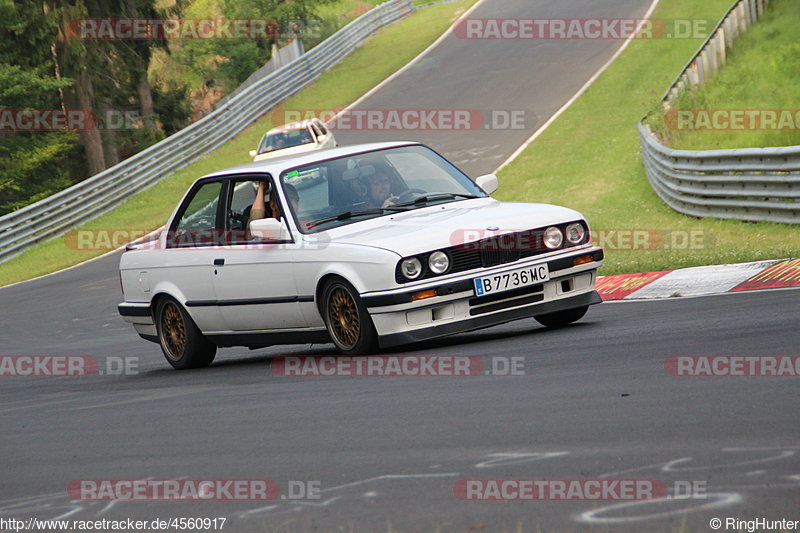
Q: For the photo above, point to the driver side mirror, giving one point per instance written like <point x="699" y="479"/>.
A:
<point x="488" y="183"/>
<point x="270" y="229"/>
<point x="253" y="153"/>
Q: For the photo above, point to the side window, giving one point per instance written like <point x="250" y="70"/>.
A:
<point x="201" y="213"/>
<point x="239" y="211"/>
<point x="197" y="225"/>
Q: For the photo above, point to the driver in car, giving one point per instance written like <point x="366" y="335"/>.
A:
<point x="379" y="191"/>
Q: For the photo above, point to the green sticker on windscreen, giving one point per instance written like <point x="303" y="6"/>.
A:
<point x="292" y="174"/>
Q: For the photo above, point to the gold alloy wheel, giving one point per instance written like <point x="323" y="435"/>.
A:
<point x="343" y="317"/>
<point x="173" y="331"/>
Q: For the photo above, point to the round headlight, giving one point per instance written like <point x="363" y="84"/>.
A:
<point x="575" y="233"/>
<point x="553" y="238"/>
<point x="439" y="262"/>
<point x="411" y="268"/>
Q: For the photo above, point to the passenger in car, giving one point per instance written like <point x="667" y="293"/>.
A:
<point x="259" y="209"/>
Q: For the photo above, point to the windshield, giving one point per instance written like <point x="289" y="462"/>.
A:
<point x="285" y="139"/>
<point x="345" y="190"/>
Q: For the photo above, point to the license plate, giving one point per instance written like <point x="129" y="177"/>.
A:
<point x="512" y="279"/>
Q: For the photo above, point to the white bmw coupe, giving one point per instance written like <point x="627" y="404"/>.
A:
<point x="366" y="246"/>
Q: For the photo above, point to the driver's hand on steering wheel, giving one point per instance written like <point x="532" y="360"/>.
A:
<point x="390" y="201"/>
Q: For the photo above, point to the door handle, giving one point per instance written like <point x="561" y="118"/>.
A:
<point x="219" y="262"/>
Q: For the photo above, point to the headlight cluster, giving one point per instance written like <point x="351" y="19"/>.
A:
<point x="575" y="233"/>
<point x="438" y="263"/>
<point x="524" y="244"/>
<point x="553" y="237"/>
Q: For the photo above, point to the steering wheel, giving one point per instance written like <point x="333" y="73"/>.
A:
<point x="410" y="194"/>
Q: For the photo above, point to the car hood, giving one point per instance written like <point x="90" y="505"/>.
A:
<point x="441" y="226"/>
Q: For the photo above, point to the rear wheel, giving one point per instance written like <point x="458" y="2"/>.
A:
<point x="181" y="341"/>
<point x="347" y="319"/>
<point x="560" y="319"/>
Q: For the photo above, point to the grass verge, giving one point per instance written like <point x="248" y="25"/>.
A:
<point x="762" y="73"/>
<point x="378" y="58"/>
<point x="589" y="159"/>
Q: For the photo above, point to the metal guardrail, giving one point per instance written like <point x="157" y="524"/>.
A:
<point x="279" y="58"/>
<point x="102" y="192"/>
<point x="753" y="184"/>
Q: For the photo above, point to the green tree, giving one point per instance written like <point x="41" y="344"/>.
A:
<point x="33" y="164"/>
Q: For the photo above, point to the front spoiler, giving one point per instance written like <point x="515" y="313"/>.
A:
<point x="407" y="337"/>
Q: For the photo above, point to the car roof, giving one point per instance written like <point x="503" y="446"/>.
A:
<point x="277" y="165"/>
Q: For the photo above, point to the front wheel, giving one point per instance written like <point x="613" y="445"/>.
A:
<point x="560" y="319"/>
<point x="347" y="319"/>
<point x="181" y="341"/>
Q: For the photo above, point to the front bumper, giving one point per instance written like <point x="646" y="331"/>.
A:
<point x="399" y="319"/>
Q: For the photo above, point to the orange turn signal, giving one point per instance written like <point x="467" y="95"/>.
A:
<point x="421" y="295"/>
<point x="582" y="260"/>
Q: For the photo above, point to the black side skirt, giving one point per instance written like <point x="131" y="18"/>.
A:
<point x="260" y="340"/>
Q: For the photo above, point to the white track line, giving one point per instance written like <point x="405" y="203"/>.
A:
<point x="411" y="63"/>
<point x="582" y="90"/>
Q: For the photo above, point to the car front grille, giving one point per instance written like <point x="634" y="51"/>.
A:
<point x="487" y="253"/>
<point x="499" y="250"/>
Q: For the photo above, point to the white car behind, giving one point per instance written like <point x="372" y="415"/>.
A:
<point x="294" y="138"/>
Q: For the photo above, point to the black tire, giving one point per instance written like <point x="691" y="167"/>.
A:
<point x="181" y="341"/>
<point x="347" y="319"/>
<point x="562" y="318"/>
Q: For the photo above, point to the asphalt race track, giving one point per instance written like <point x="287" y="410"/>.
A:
<point x="591" y="401"/>
<point x="497" y="78"/>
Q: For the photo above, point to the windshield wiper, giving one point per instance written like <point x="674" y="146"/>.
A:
<point x="350" y="214"/>
<point x="436" y="196"/>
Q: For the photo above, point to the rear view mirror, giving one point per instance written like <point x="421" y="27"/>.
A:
<point x="269" y="229"/>
<point x="253" y="153"/>
<point x="488" y="183"/>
